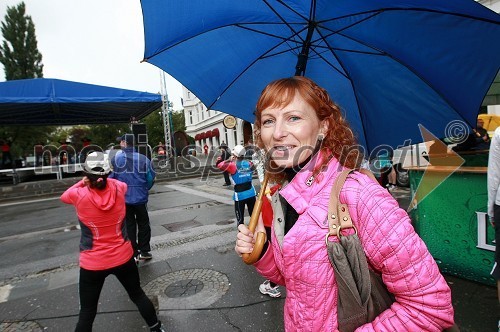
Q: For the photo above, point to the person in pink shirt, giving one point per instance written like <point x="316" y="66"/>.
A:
<point x="104" y="246"/>
<point x="309" y="143"/>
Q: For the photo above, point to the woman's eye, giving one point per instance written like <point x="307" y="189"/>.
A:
<point x="267" y="122"/>
<point x="294" y="118"/>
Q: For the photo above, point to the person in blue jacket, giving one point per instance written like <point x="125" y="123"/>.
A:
<point x="136" y="171"/>
<point x="240" y="171"/>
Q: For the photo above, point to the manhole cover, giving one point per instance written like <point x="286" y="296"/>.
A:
<point x="188" y="289"/>
<point x="182" y="288"/>
<point x="182" y="225"/>
<point x="28" y="325"/>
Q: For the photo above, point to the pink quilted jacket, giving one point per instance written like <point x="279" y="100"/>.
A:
<point x="299" y="260"/>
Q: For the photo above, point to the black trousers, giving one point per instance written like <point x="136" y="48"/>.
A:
<point x="90" y="287"/>
<point x="138" y="227"/>
<point x="239" y="209"/>
<point x="226" y="177"/>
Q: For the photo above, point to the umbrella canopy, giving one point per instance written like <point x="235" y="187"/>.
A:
<point x="44" y="101"/>
<point x="389" y="64"/>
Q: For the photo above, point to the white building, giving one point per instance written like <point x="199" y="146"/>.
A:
<point x="206" y="125"/>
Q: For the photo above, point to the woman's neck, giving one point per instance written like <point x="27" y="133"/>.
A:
<point x="292" y="171"/>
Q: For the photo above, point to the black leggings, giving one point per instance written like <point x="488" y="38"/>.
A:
<point x="239" y="209"/>
<point x="90" y="287"/>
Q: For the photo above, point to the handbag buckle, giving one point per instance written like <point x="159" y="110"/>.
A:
<point x="336" y="231"/>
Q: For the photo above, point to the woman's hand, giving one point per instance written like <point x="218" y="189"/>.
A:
<point x="86" y="181"/>
<point x="244" y="240"/>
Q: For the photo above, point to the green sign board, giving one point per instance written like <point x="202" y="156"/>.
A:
<point x="453" y="223"/>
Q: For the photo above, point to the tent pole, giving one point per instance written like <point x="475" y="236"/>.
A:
<point x="166" y="117"/>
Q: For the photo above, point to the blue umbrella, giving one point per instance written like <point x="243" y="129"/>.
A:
<point x="390" y="64"/>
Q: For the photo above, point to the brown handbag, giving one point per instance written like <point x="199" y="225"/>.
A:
<point x="362" y="295"/>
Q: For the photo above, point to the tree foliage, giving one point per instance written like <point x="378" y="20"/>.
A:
<point x="19" y="51"/>
<point x="21" y="59"/>
<point x="154" y="125"/>
<point x="104" y="135"/>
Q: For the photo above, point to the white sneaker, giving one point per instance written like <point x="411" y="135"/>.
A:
<point x="266" y="289"/>
<point x="391" y="187"/>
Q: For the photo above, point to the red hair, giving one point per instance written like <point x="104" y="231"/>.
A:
<point x="339" y="142"/>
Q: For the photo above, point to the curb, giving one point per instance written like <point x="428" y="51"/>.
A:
<point x="49" y="188"/>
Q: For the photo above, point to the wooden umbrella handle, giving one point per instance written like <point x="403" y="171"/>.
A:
<point x="260" y="239"/>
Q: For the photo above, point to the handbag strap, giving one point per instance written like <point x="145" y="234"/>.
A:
<point x="338" y="213"/>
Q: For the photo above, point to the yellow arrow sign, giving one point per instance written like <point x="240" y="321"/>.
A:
<point x="443" y="163"/>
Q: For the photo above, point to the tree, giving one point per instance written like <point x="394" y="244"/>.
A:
<point x="19" y="51"/>
<point x="104" y="135"/>
<point x="154" y="125"/>
<point x="21" y="59"/>
<point x="179" y="121"/>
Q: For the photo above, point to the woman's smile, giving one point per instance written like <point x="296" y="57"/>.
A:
<point x="290" y="133"/>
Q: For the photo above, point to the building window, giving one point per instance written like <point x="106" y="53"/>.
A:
<point x="190" y="117"/>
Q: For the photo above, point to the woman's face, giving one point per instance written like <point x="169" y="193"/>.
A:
<point x="290" y="133"/>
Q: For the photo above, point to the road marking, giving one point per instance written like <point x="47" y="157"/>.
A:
<point x="29" y="201"/>
<point x="67" y="228"/>
<point x="199" y="192"/>
<point x="5" y="292"/>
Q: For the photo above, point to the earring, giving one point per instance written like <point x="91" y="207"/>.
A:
<point x="321" y="137"/>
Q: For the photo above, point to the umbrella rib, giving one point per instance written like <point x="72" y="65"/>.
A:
<point x="286" y="6"/>
<point x="347" y="50"/>
<point x="284" y="40"/>
<point x="382" y="53"/>
<point x="380" y="10"/>
<point x="350" y="80"/>
<point x="263" y="55"/>
<point x="295" y="33"/>
<point x="239" y="25"/>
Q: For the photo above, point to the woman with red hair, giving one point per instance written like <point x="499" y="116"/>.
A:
<point x="309" y="143"/>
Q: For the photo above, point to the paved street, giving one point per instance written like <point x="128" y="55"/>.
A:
<point x="195" y="279"/>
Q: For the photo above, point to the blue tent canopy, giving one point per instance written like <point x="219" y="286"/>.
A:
<point x="44" y="101"/>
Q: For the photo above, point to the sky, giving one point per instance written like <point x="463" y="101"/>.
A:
<point x="94" y="41"/>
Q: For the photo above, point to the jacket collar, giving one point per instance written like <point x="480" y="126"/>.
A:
<point x="304" y="186"/>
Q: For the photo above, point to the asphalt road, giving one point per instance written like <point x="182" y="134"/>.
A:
<point x="193" y="231"/>
<point x="44" y="234"/>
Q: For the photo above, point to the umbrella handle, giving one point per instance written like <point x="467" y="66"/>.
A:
<point x="260" y="240"/>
